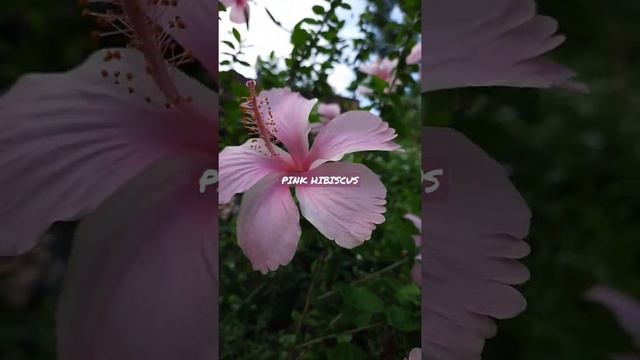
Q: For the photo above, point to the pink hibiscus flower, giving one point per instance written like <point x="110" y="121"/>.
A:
<point x="626" y="310"/>
<point x="122" y="142"/>
<point x="475" y="221"/>
<point x="416" y="271"/>
<point x="268" y="222"/>
<point x="239" y="10"/>
<point x="490" y="43"/>
<point x="383" y="69"/>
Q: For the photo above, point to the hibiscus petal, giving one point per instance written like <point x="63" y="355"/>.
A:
<point x="243" y="166"/>
<point x="268" y="225"/>
<point x="346" y="214"/>
<point x="142" y="278"/>
<point x="67" y="141"/>
<point x="351" y="132"/>
<point x="492" y="43"/>
<point x="291" y="116"/>
<point x="239" y="14"/>
<point x="472" y="240"/>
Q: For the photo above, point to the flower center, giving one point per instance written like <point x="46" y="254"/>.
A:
<point x="141" y="23"/>
<point x="258" y="119"/>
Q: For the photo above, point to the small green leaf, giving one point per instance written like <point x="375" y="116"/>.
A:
<point x="318" y="9"/>
<point x="236" y="34"/>
<point x="362" y="299"/>
<point x="229" y="44"/>
<point x="401" y="319"/>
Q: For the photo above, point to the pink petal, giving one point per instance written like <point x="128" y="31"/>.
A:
<point x="350" y="132"/>
<point x="328" y="111"/>
<point x="415" y="55"/>
<point x="474" y="231"/>
<point x="68" y="141"/>
<point x="415" y="220"/>
<point x="493" y="43"/>
<point x="142" y="279"/>
<point x="415" y="354"/>
<point x="348" y="215"/>
<point x="416" y="273"/>
<point x="241" y="167"/>
<point x="268" y="225"/>
<point x="291" y="116"/>
<point x="239" y="14"/>
<point x="624" y="307"/>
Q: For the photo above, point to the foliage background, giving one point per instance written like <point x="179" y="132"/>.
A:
<point x="574" y="158"/>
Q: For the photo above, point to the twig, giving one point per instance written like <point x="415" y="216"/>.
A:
<point x="368" y="277"/>
<point x="352" y="331"/>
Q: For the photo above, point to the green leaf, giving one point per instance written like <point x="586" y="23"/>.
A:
<point x="401" y="319"/>
<point x="408" y="294"/>
<point x="345" y="6"/>
<point x="346" y="351"/>
<point x="318" y="9"/>
<point x="236" y="34"/>
<point x="229" y="44"/>
<point x="299" y="36"/>
<point x="362" y="299"/>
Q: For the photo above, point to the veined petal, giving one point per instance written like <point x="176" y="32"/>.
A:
<point x="350" y="132"/>
<point x="291" y="116"/>
<point x="473" y="231"/>
<point x="241" y="167"/>
<point x="142" y="278"/>
<point x="67" y="141"/>
<point x="268" y="225"/>
<point x="493" y="43"/>
<point x="346" y="214"/>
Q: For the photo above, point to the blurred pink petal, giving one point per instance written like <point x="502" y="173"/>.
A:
<point x="268" y="224"/>
<point x="141" y="282"/>
<point x="415" y="354"/>
<point x="247" y="164"/>
<point x="415" y="220"/>
<point x="383" y="69"/>
<point x="415" y="56"/>
<point x="328" y="111"/>
<point x="256" y="170"/>
<point x="351" y="132"/>
<point x="291" y="117"/>
<point x="625" y="308"/>
<point x="68" y="141"/>
<point x="490" y="43"/>
<point x="239" y="10"/>
<point x="347" y="215"/>
<point x="474" y="233"/>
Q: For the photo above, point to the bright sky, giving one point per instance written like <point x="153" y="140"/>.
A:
<point x="264" y="36"/>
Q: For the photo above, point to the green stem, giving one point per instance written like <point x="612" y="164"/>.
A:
<point x="323" y="338"/>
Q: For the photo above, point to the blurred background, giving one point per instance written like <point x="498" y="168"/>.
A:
<point x="575" y="160"/>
